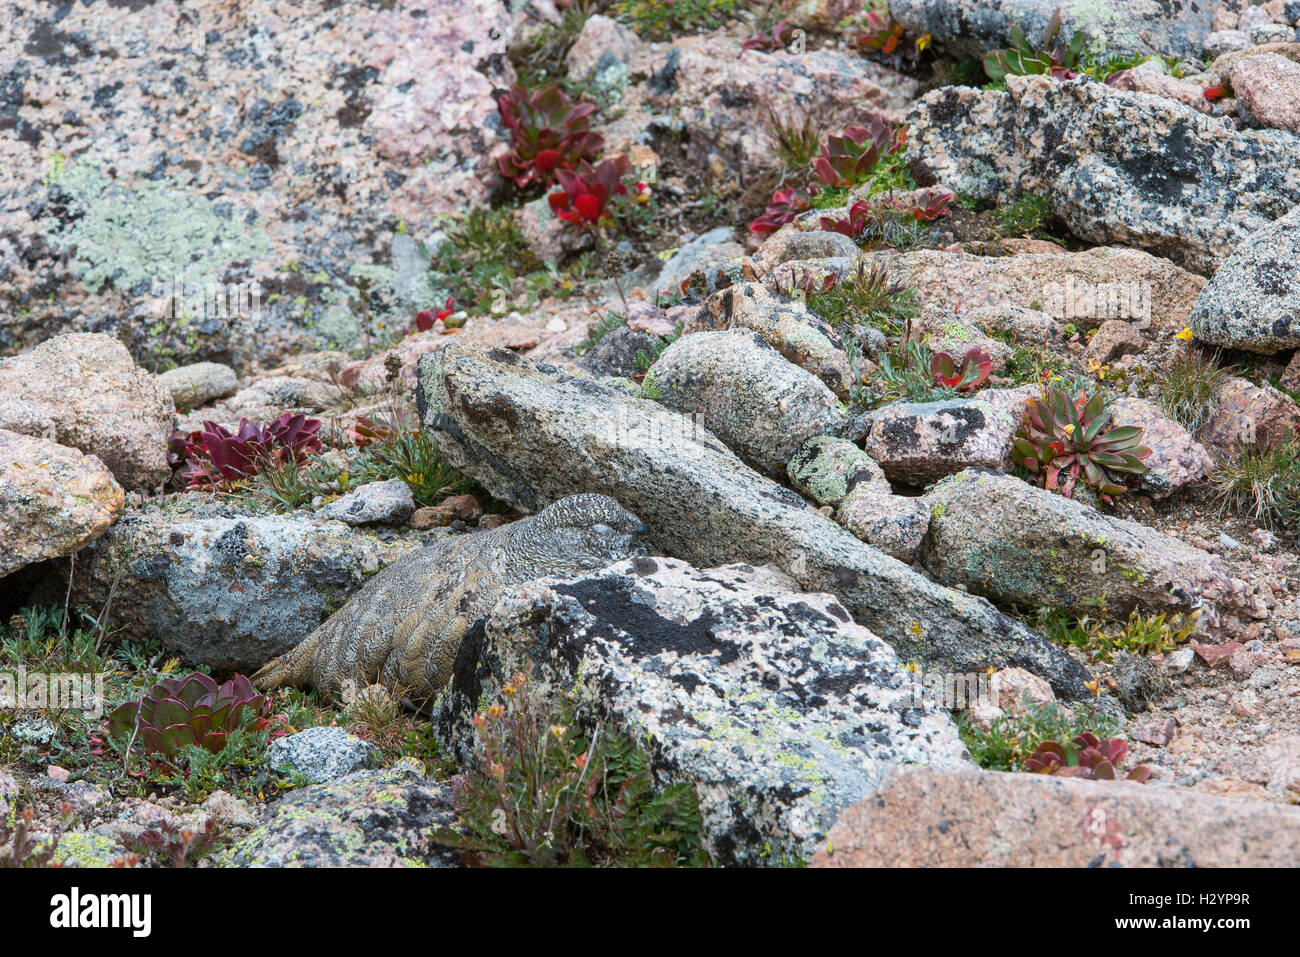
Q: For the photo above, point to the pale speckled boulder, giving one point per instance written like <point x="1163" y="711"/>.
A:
<point x="532" y="434"/>
<point x="53" y="500"/>
<point x="1253" y="301"/>
<point x="1017" y="543"/>
<point x="895" y="524"/>
<point x="968" y="818"/>
<point x="919" y="443"/>
<point x="1176" y="461"/>
<point x="1249" y="417"/>
<point x="1178" y="183"/>
<point x="1034" y="294"/>
<point x="789" y="244"/>
<point x="747" y="394"/>
<point x="199" y="383"/>
<point x="799" y="335"/>
<point x="772" y="702"/>
<point x="375" y="503"/>
<point x="226" y="589"/>
<point x="827" y="469"/>
<point x="1268" y="90"/>
<point x="86" y="392"/>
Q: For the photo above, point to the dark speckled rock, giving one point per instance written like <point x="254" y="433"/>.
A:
<point x="772" y="702"/>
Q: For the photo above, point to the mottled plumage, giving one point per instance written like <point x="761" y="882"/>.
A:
<point x="404" y="627"/>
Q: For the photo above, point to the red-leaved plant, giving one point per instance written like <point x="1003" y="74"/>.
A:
<point x="215" y="456"/>
<point x="548" y="133"/>
<point x="193" y="710"/>
<point x="1087" y="756"/>
<point x="847" y="159"/>
<point x="425" y="318"/>
<point x="786" y="204"/>
<point x="968" y="376"/>
<point x="588" y="190"/>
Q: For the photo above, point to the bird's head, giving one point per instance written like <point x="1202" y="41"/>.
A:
<point x="586" y="531"/>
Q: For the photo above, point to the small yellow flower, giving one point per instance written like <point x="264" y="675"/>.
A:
<point x="923" y="41"/>
<point x="558" y="730"/>
<point x="1094" y="686"/>
<point x="1185" y="334"/>
<point x="1069" y="428"/>
<point x="496" y="711"/>
<point x="913" y="667"/>
<point x="915" y="628"/>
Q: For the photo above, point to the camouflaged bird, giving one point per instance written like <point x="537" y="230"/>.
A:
<point x="404" y="627"/>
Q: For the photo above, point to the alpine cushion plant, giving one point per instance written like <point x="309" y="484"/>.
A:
<point x="194" y="710"/>
<point x="215" y="456"/>
<point x="1074" y="437"/>
<point x="1087" y="756"/>
<point x="1023" y="59"/>
<point x="847" y="160"/>
<point x="967" y="377"/>
<point x="864" y="214"/>
<point x="548" y="132"/>
<point x="587" y="191"/>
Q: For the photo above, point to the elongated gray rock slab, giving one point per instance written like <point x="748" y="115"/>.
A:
<point x="532" y="434"/>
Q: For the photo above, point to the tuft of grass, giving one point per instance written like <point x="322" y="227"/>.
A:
<point x="597" y="331"/>
<point x="1263" y="485"/>
<point x="796" y="139"/>
<point x="408" y="454"/>
<point x="867" y="297"/>
<point x="1186" y="387"/>
<point x="1009" y="740"/>
<point x="483" y="254"/>
<point x="662" y="19"/>
<point x="1024" y="218"/>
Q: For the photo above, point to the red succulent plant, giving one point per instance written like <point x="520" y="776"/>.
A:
<point x="215" y="456"/>
<point x="548" y="133"/>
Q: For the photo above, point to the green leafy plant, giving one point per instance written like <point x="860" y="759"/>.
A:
<point x="1009" y="740"/>
<point x="1101" y="638"/>
<point x="401" y="450"/>
<point x="551" y="794"/>
<point x="1022" y="58"/>
<point x="1186" y="387"/>
<point x="548" y="133"/>
<point x="1085" y="756"/>
<point x="193" y="710"/>
<point x="1075" y="438"/>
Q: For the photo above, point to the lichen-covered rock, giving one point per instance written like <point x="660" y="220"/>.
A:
<point x="1176" y="461"/>
<point x="84" y="391"/>
<point x="703" y="254"/>
<point x="799" y="335"/>
<point x="1249" y="417"/>
<point x="375" y="503"/>
<point x="973" y="27"/>
<point x="1017" y="543"/>
<point x="925" y="818"/>
<point x="772" y="702"/>
<point x="617" y="353"/>
<point x="827" y="469"/>
<point x="1011" y="293"/>
<point x="789" y="244"/>
<point x="322" y="754"/>
<point x="747" y="394"/>
<point x="53" y="500"/>
<point x="1179" y="183"/>
<point x="364" y="819"/>
<point x="1161" y="84"/>
<point x="1268" y="88"/>
<point x="198" y="384"/>
<point x="224" y="589"/>
<point x="723" y="95"/>
<point x="506" y="421"/>
<point x="919" y="443"/>
<point x="1253" y="300"/>
<point x="356" y="118"/>
<point x="895" y="524"/>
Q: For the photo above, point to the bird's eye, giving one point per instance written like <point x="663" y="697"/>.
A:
<point x="602" y="530"/>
